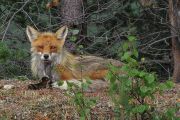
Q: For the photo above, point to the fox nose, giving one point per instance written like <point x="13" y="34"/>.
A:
<point x="46" y="56"/>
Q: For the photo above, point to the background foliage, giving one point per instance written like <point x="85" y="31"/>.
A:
<point x="108" y="22"/>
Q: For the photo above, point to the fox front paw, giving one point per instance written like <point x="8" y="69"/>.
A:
<point x="45" y="82"/>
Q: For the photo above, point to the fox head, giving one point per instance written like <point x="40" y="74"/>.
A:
<point x="47" y="45"/>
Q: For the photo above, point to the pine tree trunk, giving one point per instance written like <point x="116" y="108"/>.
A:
<point x="71" y="12"/>
<point x="174" y="16"/>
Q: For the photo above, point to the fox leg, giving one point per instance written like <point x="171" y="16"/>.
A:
<point x="51" y="73"/>
<point x="46" y="79"/>
<point x="48" y="73"/>
<point x="42" y="84"/>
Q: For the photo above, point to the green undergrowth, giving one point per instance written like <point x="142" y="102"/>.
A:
<point x="134" y="91"/>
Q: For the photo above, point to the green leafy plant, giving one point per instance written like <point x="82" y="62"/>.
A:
<point x="133" y="91"/>
<point x="83" y="104"/>
<point x="169" y="114"/>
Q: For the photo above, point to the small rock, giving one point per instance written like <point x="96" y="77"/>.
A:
<point x="8" y="87"/>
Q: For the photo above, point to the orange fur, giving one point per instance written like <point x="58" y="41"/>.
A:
<point x="52" y="3"/>
<point x="65" y="74"/>
<point x="100" y="74"/>
<point x="67" y="66"/>
<point x="47" y="43"/>
<point x="93" y="75"/>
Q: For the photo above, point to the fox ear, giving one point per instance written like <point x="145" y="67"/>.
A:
<point x="62" y="33"/>
<point x="31" y="33"/>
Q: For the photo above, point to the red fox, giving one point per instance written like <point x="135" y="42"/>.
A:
<point x="50" y="58"/>
<point x="52" y="3"/>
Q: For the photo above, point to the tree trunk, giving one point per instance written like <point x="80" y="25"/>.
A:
<point x="71" y="12"/>
<point x="174" y="16"/>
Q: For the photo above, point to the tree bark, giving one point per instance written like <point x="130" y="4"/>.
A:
<point x="71" y="12"/>
<point x="174" y="17"/>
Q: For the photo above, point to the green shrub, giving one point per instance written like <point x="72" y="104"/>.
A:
<point x="134" y="91"/>
<point x="13" y="62"/>
<point x="83" y="104"/>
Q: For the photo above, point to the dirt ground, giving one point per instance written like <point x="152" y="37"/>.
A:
<point x="52" y="104"/>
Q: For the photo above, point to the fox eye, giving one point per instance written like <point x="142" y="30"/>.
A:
<point x="40" y="47"/>
<point x="53" y="47"/>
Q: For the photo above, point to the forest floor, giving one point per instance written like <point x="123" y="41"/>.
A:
<point x="53" y="104"/>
